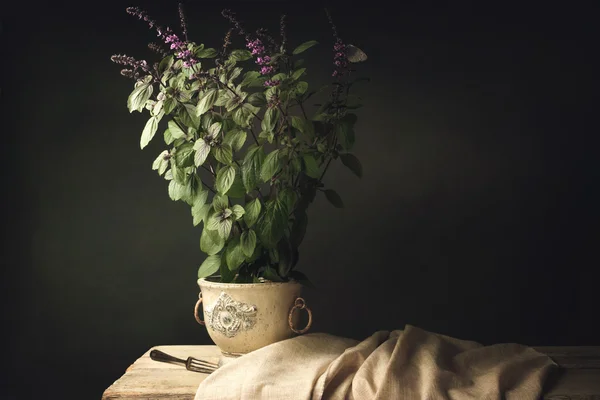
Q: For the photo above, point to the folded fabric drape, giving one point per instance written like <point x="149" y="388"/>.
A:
<point x="402" y="364"/>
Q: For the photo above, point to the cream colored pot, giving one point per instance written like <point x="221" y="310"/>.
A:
<point x="244" y="317"/>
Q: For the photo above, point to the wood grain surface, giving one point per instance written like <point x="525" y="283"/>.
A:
<point x="577" y="379"/>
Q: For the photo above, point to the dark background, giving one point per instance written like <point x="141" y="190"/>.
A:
<point x="477" y="216"/>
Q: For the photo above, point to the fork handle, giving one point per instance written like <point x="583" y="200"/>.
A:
<point x="158" y="355"/>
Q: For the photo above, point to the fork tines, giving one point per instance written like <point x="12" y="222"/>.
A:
<point x="197" y="365"/>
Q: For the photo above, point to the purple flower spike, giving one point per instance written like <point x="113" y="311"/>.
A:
<point x="340" y="60"/>
<point x="271" y="83"/>
<point x="184" y="54"/>
<point x="266" y="70"/>
<point x="142" y="15"/>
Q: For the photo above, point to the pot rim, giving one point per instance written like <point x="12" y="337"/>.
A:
<point x="205" y="282"/>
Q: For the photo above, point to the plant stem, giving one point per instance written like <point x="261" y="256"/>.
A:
<point x="236" y="95"/>
<point x="254" y="136"/>
<point x="208" y="187"/>
<point x="204" y="166"/>
<point x="302" y="108"/>
<point x="260" y="195"/>
<point x="285" y="119"/>
<point x="325" y="170"/>
<point x="176" y="123"/>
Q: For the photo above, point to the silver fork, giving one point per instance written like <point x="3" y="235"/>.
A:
<point x="191" y="364"/>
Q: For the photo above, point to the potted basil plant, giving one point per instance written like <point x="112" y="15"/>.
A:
<point x="248" y="156"/>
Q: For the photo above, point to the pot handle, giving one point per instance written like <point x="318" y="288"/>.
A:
<point x="196" y="309"/>
<point x="300" y="304"/>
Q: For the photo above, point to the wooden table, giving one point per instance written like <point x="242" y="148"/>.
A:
<point x="578" y="379"/>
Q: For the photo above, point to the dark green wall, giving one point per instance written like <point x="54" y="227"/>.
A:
<point x="477" y="215"/>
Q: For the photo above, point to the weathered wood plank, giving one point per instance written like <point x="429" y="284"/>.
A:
<point x="146" y="378"/>
<point x="573" y="357"/>
<point x="574" y="384"/>
<point x="579" y="378"/>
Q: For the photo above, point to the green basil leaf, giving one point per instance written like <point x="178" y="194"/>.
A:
<point x="206" y="101"/>
<point x="149" y="131"/>
<point x="220" y="202"/>
<point x="238" y="211"/>
<point x="169" y="105"/>
<point x="310" y="166"/>
<point x="176" y="190"/>
<point x="271" y="226"/>
<point x="234" y="255"/>
<point x="269" y="119"/>
<point x="345" y="131"/>
<point x="206" y="53"/>
<point x="298" y="73"/>
<point x="257" y="99"/>
<point x="175" y="130"/>
<point x="350" y="161"/>
<point x="304" y="46"/>
<point x="168" y="137"/>
<point x="334" y="198"/>
<point x="248" y="242"/>
<point x="237" y="189"/>
<point x="236" y="138"/>
<point x="214" y="129"/>
<point x="240" y="55"/>
<point x="138" y="98"/>
<point x="165" y="64"/>
<point x="224" y="154"/>
<point x="270" y="166"/>
<point x="242" y="116"/>
<point x="188" y="116"/>
<point x="210" y="265"/>
<point x="252" y="166"/>
<point x="210" y="241"/>
<point x="199" y="212"/>
<point x="285" y="261"/>
<point x="184" y="155"/>
<point x="161" y="163"/>
<point x="202" y="151"/>
<point x="271" y="275"/>
<point x="252" y="212"/>
<point x="225" y="178"/>
<point x="249" y="77"/>
<point x="303" y="125"/>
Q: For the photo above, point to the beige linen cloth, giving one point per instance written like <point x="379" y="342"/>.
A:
<point x="402" y="364"/>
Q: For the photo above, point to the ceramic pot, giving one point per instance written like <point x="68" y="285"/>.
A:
<point x="242" y="317"/>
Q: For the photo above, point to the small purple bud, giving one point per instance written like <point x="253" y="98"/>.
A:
<point x="271" y="83"/>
